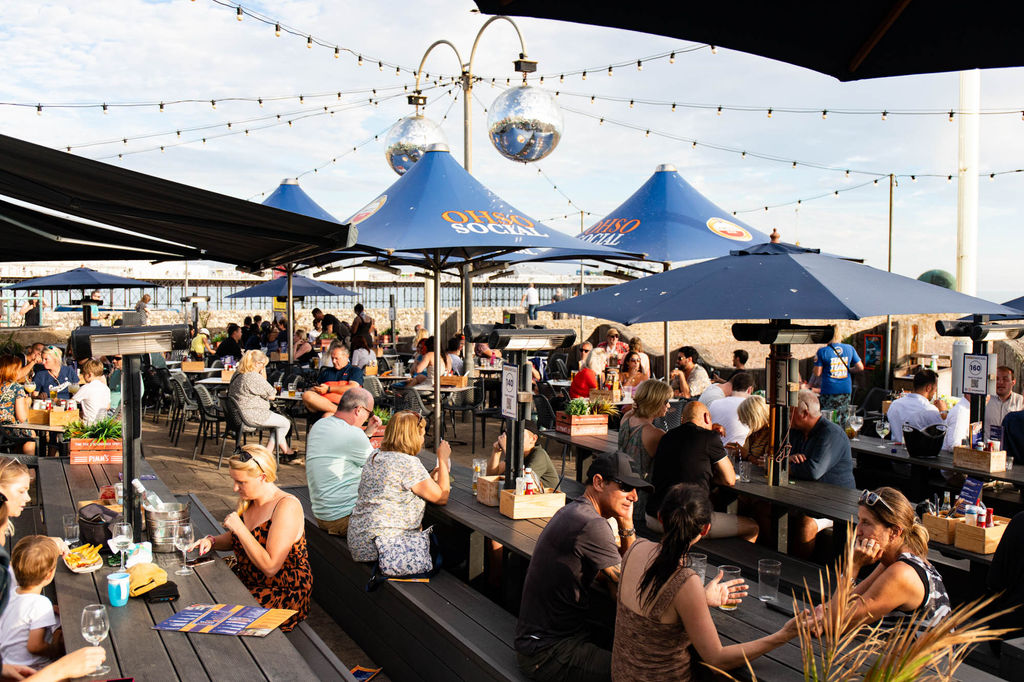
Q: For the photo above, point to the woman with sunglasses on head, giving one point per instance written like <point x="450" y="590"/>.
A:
<point x="253" y="394"/>
<point x="267" y="536"/>
<point x="395" y="486"/>
<point x="56" y="375"/>
<point x="889" y="534"/>
<point x="633" y="373"/>
<point x="664" y="607"/>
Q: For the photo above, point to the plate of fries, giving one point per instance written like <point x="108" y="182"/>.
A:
<point x="84" y="559"/>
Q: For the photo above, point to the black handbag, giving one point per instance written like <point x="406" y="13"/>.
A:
<point x="95" y="524"/>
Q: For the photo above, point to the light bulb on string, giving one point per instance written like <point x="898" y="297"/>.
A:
<point x="847" y="174"/>
<point x="769" y="113"/>
<point x="398" y="71"/>
<point x="913" y="178"/>
<point x="672" y="58"/>
<point x="178" y="131"/>
<point x="359" y="62"/>
<point x="289" y="124"/>
<point x="238" y="14"/>
<point x="714" y="50"/>
<point x="743" y="155"/>
<point x="542" y="80"/>
<point x="309" y="42"/>
<point x="673" y="106"/>
<point x="824" y="114"/>
<point x="950" y="115"/>
<point x="591" y="99"/>
<point x="380" y="66"/>
<point x="835" y="193"/>
<point x="39" y="109"/>
<point x="161" y="149"/>
<point x="104" y="108"/>
<point x="277" y="30"/>
<point x="647" y="133"/>
<point x="639" y="65"/>
<point x="609" y="71"/>
<point x="949" y="178"/>
<point x="991" y="176"/>
<point x="213" y="103"/>
<point x="260" y="101"/>
<point x="884" y="114"/>
<point x="876" y="181"/>
<point x="337" y="52"/>
<point x="561" y="79"/>
<point x="794" y="164"/>
<point x="600" y="122"/>
<point x="302" y="99"/>
<point x="719" y="112"/>
<point x="693" y="145"/>
<point x="584" y="75"/>
<point x="161" y="107"/>
<point x="630" y="104"/>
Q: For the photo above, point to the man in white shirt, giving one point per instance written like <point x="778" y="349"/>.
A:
<point x="1004" y="402"/>
<point x="531" y="299"/>
<point x="958" y="424"/>
<point x="720" y="390"/>
<point x="723" y="411"/>
<point x="689" y="379"/>
<point x="919" y="409"/>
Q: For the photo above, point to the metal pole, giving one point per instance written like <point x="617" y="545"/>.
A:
<point x="888" y="318"/>
<point x="967" y="184"/>
<point x="131" y="446"/>
<point x="581" y="283"/>
<point x="438" y="362"/>
<point x="668" y="369"/>
<point x="290" y="269"/>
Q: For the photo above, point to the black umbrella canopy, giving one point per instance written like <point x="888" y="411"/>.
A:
<point x="846" y="40"/>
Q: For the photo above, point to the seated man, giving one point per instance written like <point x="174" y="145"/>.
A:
<point x="820" y="452"/>
<point x="693" y="453"/>
<point x="552" y="638"/>
<point x="919" y="409"/>
<point x="689" y="379"/>
<point x="231" y="346"/>
<point x="482" y="350"/>
<point x="454" y="348"/>
<point x="724" y="410"/>
<point x="336" y="449"/>
<point x="1004" y="402"/>
<point x="535" y="457"/>
<point x="613" y="346"/>
<point x="332" y="382"/>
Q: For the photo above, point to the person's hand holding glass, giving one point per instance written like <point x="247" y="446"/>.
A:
<point x="95" y="626"/>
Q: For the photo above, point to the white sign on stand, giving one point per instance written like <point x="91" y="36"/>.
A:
<point x="509" y="391"/>
<point x="975" y="374"/>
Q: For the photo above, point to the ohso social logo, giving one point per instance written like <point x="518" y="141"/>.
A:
<point x="729" y="230"/>
<point x="483" y="222"/>
<point x="368" y="210"/>
<point x="609" y="231"/>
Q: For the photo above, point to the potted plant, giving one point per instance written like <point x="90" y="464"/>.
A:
<point x="584" y="418"/>
<point x="385" y="416"/>
<point x="97" y="443"/>
<point x="388" y="334"/>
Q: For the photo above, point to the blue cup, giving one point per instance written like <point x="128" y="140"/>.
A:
<point x="117" y="588"/>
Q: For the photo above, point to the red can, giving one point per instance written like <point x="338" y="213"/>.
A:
<point x="988" y="518"/>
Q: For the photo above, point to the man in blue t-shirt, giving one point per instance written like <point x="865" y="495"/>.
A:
<point x="332" y="382"/>
<point x="833" y="364"/>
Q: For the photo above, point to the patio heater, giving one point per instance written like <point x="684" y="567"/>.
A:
<point x="131" y="343"/>
<point x="517" y="396"/>
<point x="980" y="330"/>
<point x="192" y="308"/>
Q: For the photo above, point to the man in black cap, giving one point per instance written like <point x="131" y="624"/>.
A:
<point x="552" y="638"/>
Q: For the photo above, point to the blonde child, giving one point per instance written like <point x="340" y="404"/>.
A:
<point x="29" y="632"/>
<point x="94" y="396"/>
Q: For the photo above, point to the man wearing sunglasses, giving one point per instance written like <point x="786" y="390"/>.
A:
<point x="553" y="640"/>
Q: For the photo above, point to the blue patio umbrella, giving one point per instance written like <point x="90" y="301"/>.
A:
<point x="772" y="281"/>
<point x="437" y="216"/>
<point x="301" y="286"/>
<point x="290" y="197"/>
<point x="80" y="278"/>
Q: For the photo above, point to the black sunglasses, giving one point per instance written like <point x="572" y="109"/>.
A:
<point x="625" y="487"/>
<point x="246" y="457"/>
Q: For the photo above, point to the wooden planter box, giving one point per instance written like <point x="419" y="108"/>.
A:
<point x="378" y="436"/>
<point x="979" y="459"/>
<point x="193" y="366"/>
<point x="530" y="506"/>
<point x="53" y="418"/>
<point x="226" y="374"/>
<point x="456" y="382"/>
<point x="941" y="528"/>
<point x="981" y="540"/>
<point x="488" y="490"/>
<point x="279" y="357"/>
<point x="605" y="395"/>
<point x="370" y="371"/>
<point x="89" y="451"/>
<point x="581" y="424"/>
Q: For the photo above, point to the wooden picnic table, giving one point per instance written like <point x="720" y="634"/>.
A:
<point x="40" y="430"/>
<point x="134" y="649"/>
<point x="583" y="447"/>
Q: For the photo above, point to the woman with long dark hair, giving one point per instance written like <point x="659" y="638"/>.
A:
<point x="663" y="607"/>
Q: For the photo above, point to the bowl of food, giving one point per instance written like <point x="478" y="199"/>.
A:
<point x="84" y="559"/>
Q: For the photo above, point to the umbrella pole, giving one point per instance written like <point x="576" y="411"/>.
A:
<point x="668" y="368"/>
<point x="438" y="362"/>
<point x="291" y="317"/>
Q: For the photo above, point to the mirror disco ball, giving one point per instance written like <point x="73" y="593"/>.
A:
<point x="407" y="139"/>
<point x="525" y="123"/>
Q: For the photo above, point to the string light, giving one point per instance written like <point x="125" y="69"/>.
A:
<point x="884" y="114"/>
<point x="647" y="133"/>
<point x="591" y="100"/>
<point x="673" y="107"/>
<point x="639" y="65"/>
<point x="259" y="99"/>
<point x="239" y="13"/>
<point x="213" y="103"/>
<point x="277" y="30"/>
<point x="380" y="66"/>
<point x="561" y="79"/>
<point x="104" y="108"/>
<point x="714" y="50"/>
<point x="337" y="52"/>
<point x="671" y="58"/>
<point x="991" y="176"/>
<point x="630" y="104"/>
<point x="769" y="113"/>
<point x="162" y="106"/>
<point x="719" y="112"/>
<point x="359" y="62"/>
<point x="913" y="178"/>
<point x="794" y="164"/>
<point x="584" y="75"/>
<point x="309" y="42"/>
<point x="847" y="173"/>
<point x="824" y="114"/>
<point x="950" y="115"/>
<point x="39" y="109"/>
<point x="609" y="72"/>
<point x="301" y="99"/>
<point x="949" y="178"/>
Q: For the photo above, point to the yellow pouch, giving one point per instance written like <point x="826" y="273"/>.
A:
<point x="144" y="577"/>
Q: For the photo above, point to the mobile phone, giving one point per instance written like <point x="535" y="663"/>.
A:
<point x="199" y="561"/>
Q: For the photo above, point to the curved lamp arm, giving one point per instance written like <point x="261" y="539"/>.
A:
<point x="423" y="61"/>
<point x="476" y="42"/>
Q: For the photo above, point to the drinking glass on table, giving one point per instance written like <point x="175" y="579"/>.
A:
<point x="95" y="626"/>
<point x="729" y="573"/>
<point x="122" y="539"/>
<point x="882" y="429"/>
<point x="856" y="422"/>
<point x="768" y="574"/>
<point x="699" y="564"/>
<point x="70" y="523"/>
<point x="184" y="536"/>
<point x="53" y="393"/>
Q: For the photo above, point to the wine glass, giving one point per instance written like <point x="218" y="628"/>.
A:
<point x="95" y="626"/>
<point x="882" y="428"/>
<point x="122" y="539"/>
<point x="856" y="422"/>
<point x="184" y="536"/>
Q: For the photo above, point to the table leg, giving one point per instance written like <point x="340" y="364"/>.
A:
<point x="780" y="528"/>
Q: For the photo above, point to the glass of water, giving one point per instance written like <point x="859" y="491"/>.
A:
<point x="70" y="523"/>
<point x="882" y="429"/>
<point x="122" y="539"/>
<point x="768" y="573"/>
<point x="743" y="472"/>
<point x="729" y="573"/>
<point x="184" y="536"/>
<point x="699" y="563"/>
<point x="95" y="626"/>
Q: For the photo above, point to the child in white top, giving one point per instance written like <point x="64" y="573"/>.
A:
<point x="94" y="397"/>
<point x="29" y="632"/>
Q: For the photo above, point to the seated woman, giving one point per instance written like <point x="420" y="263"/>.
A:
<point x="56" y="375"/>
<point x="267" y="536"/>
<point x="633" y="373"/>
<point x="362" y="355"/>
<point x="664" y="607"/>
<point x="589" y="376"/>
<point x="753" y="413"/>
<point x="14" y="404"/>
<point x="395" y="487"/>
<point x="639" y="437"/>
<point x="303" y="348"/>
<point x="889" y="534"/>
<point x="423" y="365"/>
<point x="252" y="393"/>
<point x="637" y="346"/>
<point x="94" y="397"/>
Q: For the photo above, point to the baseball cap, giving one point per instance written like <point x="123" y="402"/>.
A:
<point x="615" y="466"/>
<point x="204" y="330"/>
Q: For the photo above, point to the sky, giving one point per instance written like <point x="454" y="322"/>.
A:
<point x="133" y="51"/>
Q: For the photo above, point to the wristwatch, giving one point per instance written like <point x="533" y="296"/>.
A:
<point x="627" y="533"/>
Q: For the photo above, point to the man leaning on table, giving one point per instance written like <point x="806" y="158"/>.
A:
<point x="920" y="408"/>
<point x="553" y="640"/>
<point x="1002" y="403"/>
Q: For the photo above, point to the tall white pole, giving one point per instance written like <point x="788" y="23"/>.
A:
<point x="967" y="184"/>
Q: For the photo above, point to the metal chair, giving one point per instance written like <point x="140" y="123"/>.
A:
<point x="672" y="418"/>
<point x="163" y="396"/>
<point x="545" y="414"/>
<point x="410" y="400"/>
<point x="462" y="403"/>
<point x="216" y="363"/>
<point x="233" y="426"/>
<point x="182" y="407"/>
<point x="557" y="369"/>
<point x="484" y="413"/>
<point x="376" y="388"/>
<point x="211" y="416"/>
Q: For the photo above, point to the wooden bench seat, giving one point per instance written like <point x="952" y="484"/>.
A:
<point x="309" y="645"/>
<point x="441" y="630"/>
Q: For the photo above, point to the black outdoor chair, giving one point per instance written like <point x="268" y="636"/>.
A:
<point x="211" y="416"/>
<point x="464" y="402"/>
<point x="182" y="407"/>
<point x="233" y="427"/>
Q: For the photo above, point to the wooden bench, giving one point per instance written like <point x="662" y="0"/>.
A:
<point x="441" y="630"/>
<point x="318" y="655"/>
